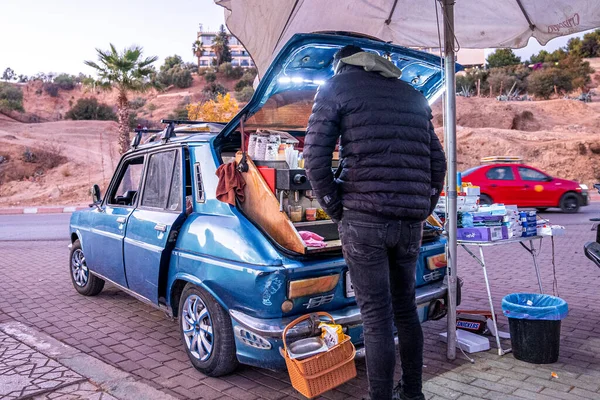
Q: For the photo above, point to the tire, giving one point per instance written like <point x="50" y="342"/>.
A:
<point x="210" y="327"/>
<point x="484" y="199"/>
<point x="542" y="209"/>
<point x="569" y="203"/>
<point x="83" y="281"/>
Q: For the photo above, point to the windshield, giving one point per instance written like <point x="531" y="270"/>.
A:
<point x="285" y="111"/>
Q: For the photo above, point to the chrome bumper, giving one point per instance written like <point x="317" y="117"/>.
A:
<point x="348" y="316"/>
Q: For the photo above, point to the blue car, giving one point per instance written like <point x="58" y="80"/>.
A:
<point x="160" y="234"/>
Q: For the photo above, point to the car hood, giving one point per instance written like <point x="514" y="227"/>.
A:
<point x="305" y="62"/>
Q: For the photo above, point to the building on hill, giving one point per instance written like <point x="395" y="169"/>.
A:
<point x="239" y="55"/>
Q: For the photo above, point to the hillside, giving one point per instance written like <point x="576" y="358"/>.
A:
<point x="561" y="137"/>
<point x="40" y="107"/>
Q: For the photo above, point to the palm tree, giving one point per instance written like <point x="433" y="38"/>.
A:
<point x="197" y="49"/>
<point x="221" y="46"/>
<point x="125" y="72"/>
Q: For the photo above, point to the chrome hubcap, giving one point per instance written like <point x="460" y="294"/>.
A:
<point x="197" y="328"/>
<point x="79" y="269"/>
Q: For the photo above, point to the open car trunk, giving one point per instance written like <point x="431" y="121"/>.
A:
<point x="278" y="198"/>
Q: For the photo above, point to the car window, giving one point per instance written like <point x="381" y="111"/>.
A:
<point x="158" y="179"/>
<point x="199" y="184"/>
<point x="128" y="186"/>
<point x="528" y="174"/>
<point x="175" y="196"/>
<point x="500" y="174"/>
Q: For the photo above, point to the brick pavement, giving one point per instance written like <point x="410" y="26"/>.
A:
<point x="35" y="289"/>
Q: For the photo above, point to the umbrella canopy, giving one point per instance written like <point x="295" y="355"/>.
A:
<point x="264" y="26"/>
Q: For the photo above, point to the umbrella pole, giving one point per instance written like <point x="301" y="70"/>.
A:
<point x="450" y="139"/>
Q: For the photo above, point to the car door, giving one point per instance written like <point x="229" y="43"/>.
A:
<point x="503" y="186"/>
<point x="537" y="192"/>
<point x="109" y="222"/>
<point x="150" y="235"/>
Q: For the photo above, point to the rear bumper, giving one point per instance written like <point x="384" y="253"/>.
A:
<point x="348" y="316"/>
<point x="259" y="340"/>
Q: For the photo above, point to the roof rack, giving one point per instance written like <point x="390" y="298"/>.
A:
<point x="501" y="159"/>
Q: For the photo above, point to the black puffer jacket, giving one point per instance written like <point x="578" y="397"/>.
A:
<point x="393" y="163"/>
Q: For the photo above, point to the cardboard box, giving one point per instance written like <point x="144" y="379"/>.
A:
<point x="481" y="234"/>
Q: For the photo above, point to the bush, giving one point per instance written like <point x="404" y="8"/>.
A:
<point x="241" y="84"/>
<point x="541" y="83"/>
<point x="136" y="103"/>
<point x="51" y="89"/>
<point x="500" y="81"/>
<point x="213" y="89"/>
<point x="90" y="109"/>
<point x="245" y="94"/>
<point x="210" y="77"/>
<point x="231" y="72"/>
<point x="65" y="81"/>
<point x="11" y="98"/>
<point x="50" y="157"/>
<point x="250" y="74"/>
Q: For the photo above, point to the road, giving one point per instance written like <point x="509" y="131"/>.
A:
<point x="56" y="226"/>
<point x="34" y="227"/>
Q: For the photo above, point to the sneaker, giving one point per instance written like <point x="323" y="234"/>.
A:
<point x="398" y="394"/>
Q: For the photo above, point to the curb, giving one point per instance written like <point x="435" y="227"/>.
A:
<point x="41" y="210"/>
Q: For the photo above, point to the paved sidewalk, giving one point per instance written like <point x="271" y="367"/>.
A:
<point x="35" y="366"/>
<point x="141" y="342"/>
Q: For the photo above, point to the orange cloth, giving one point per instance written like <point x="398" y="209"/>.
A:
<point x="231" y="183"/>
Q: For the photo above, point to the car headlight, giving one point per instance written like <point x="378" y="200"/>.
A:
<point x="583" y="186"/>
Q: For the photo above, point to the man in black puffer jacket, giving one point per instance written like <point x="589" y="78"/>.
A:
<point x="392" y="171"/>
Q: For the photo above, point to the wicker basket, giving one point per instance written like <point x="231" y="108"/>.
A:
<point x="322" y="372"/>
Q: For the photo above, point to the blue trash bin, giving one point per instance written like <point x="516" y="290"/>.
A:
<point x="534" y="321"/>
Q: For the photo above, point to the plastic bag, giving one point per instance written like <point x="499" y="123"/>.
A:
<point x="534" y="307"/>
<point x="332" y="334"/>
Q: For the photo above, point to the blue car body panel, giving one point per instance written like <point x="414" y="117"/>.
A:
<point x="217" y="248"/>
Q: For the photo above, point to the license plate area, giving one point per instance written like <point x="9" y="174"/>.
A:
<point x="348" y="285"/>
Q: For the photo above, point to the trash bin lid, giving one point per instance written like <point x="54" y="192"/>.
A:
<point x="534" y="306"/>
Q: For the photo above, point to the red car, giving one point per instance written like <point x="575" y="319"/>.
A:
<point x="525" y="186"/>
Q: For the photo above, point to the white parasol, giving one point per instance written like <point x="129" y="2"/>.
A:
<point x="264" y="26"/>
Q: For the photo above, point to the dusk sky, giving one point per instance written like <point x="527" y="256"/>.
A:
<point x="57" y="36"/>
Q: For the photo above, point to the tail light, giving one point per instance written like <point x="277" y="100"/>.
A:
<point x="437" y="261"/>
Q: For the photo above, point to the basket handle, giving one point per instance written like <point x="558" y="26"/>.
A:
<point x="328" y="370"/>
<point x="300" y="319"/>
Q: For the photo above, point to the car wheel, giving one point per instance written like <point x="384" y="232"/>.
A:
<point x="569" y="203"/>
<point x="84" y="282"/>
<point x="542" y="209"/>
<point x="485" y="200"/>
<point x="206" y="332"/>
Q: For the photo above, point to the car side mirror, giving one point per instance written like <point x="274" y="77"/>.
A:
<point x="549" y="179"/>
<point x="96" y="199"/>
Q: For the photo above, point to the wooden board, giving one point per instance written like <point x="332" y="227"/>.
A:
<point x="262" y="207"/>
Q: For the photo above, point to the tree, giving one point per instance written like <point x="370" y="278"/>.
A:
<point x="65" y="81"/>
<point x="221" y="47"/>
<point x="197" y="50"/>
<point x="8" y="74"/>
<point x="23" y="78"/>
<point x="502" y="58"/>
<point x="222" y="109"/>
<point x="174" y="72"/>
<point x="126" y="72"/>
<point x="579" y="71"/>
